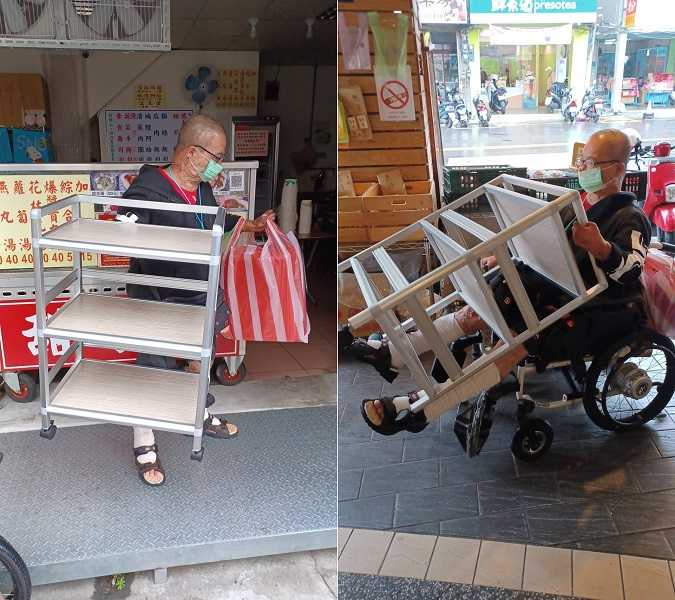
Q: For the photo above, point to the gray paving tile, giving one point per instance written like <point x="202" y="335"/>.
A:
<point x="669" y="534"/>
<point x="552" y="525"/>
<point x="432" y="446"/>
<point x="421" y="528"/>
<point x="501" y="527"/>
<point x="510" y="494"/>
<point x="652" y="544"/>
<point x="487" y="466"/>
<point x="589" y="482"/>
<point x="665" y="442"/>
<point x="353" y="433"/>
<point x="655" y="475"/>
<point x="436" y="504"/>
<point x="400" y="478"/>
<point x="643" y="512"/>
<point x="370" y="454"/>
<point x="662" y="422"/>
<point x="367" y="513"/>
<point x="349" y="483"/>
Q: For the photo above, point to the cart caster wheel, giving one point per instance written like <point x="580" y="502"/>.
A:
<point x="197" y="455"/>
<point x="49" y="433"/>
<point x="28" y="389"/>
<point x="532" y="440"/>
<point x="223" y="375"/>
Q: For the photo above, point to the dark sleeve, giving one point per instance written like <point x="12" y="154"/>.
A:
<point x="629" y="248"/>
<point x="230" y="222"/>
<point x="135" y="192"/>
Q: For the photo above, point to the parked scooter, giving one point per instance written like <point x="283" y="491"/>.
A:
<point x="659" y="203"/>
<point x="591" y="107"/>
<point x="444" y="111"/>
<point x="570" y="108"/>
<point x="554" y="98"/>
<point x="461" y="113"/>
<point x="482" y="111"/>
<point x="497" y="95"/>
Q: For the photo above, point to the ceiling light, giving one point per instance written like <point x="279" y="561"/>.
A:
<point x="328" y="15"/>
<point x="253" y="22"/>
<point x="310" y="27"/>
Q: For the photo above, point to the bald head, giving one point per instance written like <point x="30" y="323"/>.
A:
<point x="200" y="130"/>
<point x="609" y="144"/>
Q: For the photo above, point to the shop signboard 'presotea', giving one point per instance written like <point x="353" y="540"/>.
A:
<point x="533" y="11"/>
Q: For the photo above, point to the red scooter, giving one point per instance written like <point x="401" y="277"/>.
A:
<point x="659" y="203"/>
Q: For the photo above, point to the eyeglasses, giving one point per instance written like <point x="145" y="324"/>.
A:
<point x="588" y="163"/>
<point x="217" y="157"/>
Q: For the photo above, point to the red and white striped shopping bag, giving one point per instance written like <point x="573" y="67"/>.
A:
<point x="265" y="288"/>
<point x="658" y="283"/>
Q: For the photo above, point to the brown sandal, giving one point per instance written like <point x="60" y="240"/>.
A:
<point x="144" y="468"/>
<point x="220" y="431"/>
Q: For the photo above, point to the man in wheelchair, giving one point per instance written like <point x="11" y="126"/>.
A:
<point x="617" y="235"/>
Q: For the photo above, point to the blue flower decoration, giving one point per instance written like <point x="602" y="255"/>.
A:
<point x="200" y="85"/>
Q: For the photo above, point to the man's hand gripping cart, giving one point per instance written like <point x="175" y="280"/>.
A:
<point x="623" y="388"/>
<point x="162" y="399"/>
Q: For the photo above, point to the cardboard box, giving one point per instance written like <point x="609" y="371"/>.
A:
<point x="351" y="302"/>
<point x="19" y="93"/>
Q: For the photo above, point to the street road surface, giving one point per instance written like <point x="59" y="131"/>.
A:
<point x="539" y="145"/>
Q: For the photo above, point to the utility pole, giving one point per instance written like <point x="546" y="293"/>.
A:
<point x="619" y="59"/>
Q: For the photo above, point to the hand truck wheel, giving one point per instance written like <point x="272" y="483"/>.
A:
<point x="532" y="440"/>
<point x="28" y="389"/>
<point x="15" y="580"/>
<point x="225" y="378"/>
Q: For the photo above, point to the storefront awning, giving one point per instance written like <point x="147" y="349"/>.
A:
<point x="508" y="35"/>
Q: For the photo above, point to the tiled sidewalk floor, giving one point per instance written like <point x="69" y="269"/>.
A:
<point x="594" y="490"/>
<point x="489" y="564"/>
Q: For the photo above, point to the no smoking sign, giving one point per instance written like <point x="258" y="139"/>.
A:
<point x="395" y="95"/>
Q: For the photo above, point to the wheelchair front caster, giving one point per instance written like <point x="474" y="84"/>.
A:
<point x="197" y="455"/>
<point x="532" y="440"/>
<point x="50" y="432"/>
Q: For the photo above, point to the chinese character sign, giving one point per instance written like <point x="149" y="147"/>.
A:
<point x="18" y="195"/>
<point x="150" y="96"/>
<point x="532" y="11"/>
<point x="238" y="88"/>
<point x="144" y="136"/>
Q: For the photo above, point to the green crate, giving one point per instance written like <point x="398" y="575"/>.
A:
<point x="458" y="181"/>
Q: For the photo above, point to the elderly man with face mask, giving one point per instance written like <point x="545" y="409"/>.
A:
<point x="617" y="235"/>
<point x="196" y="164"/>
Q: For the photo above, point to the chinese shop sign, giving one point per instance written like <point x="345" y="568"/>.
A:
<point x="150" y="96"/>
<point x="144" y="136"/>
<point x="532" y="11"/>
<point x="18" y="195"/>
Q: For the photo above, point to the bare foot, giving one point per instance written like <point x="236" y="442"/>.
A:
<point x="154" y="477"/>
<point x="375" y="412"/>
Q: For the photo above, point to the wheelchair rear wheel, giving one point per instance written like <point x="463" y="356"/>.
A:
<point x="631" y="382"/>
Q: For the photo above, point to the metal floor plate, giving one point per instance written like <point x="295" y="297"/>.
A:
<point x="74" y="507"/>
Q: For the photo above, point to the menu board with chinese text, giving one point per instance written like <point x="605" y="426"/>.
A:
<point x="143" y="136"/>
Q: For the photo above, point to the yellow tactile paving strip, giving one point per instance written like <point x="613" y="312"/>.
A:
<point x="579" y="573"/>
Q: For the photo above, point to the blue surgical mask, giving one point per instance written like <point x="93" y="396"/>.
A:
<point x="591" y="180"/>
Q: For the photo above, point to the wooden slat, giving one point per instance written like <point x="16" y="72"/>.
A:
<point x="409" y="173"/>
<point x="367" y="82"/>
<point x="377" y="234"/>
<point x="379" y="5"/>
<point x="397" y="203"/>
<point x="372" y="106"/>
<point x="364" y="158"/>
<point x="378" y="125"/>
<point x="388" y="140"/>
<point x="381" y="219"/>
<point x="412" y="187"/>
<point x="353" y="234"/>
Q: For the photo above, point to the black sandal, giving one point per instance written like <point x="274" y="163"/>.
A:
<point x="474" y="422"/>
<point x="220" y="431"/>
<point x="394" y="422"/>
<point x="379" y="358"/>
<point x="144" y="468"/>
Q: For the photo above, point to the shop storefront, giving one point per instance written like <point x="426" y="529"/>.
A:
<point x="527" y="46"/>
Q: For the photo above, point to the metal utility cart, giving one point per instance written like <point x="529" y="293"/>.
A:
<point x="122" y="393"/>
